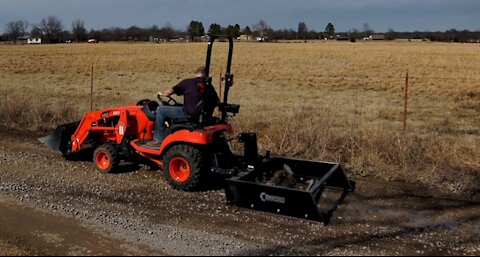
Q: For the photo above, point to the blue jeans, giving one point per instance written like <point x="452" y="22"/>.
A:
<point x="164" y="113"/>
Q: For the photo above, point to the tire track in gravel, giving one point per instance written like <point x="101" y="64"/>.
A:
<point x="139" y="208"/>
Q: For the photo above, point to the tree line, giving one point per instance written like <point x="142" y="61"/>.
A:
<point x="52" y="30"/>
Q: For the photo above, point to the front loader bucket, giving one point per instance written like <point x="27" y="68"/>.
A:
<point x="59" y="140"/>
<point x="291" y="187"/>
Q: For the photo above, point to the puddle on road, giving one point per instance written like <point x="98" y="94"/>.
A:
<point x="44" y="233"/>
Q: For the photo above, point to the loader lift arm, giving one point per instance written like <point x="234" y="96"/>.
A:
<point x="98" y="122"/>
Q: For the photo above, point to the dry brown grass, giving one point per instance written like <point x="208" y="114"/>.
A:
<point x="333" y="101"/>
<point x="34" y="116"/>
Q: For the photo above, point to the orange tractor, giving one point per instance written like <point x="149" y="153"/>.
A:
<point x="197" y="150"/>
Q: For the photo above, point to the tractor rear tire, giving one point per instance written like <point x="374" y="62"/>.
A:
<point x="106" y="158"/>
<point x="184" y="167"/>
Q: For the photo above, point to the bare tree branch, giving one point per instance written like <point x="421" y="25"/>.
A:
<point x="16" y="30"/>
<point x="78" y="30"/>
<point x="51" y="27"/>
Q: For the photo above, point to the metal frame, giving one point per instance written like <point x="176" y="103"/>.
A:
<point x="228" y="74"/>
<point x="246" y="191"/>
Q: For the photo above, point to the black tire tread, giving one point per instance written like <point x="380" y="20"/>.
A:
<point x="194" y="157"/>
<point x="112" y="149"/>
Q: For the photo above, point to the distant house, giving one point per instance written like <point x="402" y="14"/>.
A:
<point x="244" y="37"/>
<point x="343" y="38"/>
<point x="200" y="39"/>
<point x="376" y="37"/>
<point x="31" y="41"/>
<point x="176" y="39"/>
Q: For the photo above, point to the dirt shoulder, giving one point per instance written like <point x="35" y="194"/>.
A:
<point x="30" y="231"/>
<point x="138" y="212"/>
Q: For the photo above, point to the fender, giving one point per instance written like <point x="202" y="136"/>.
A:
<point x="196" y="137"/>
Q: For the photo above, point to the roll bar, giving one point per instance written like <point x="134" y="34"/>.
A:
<point x="228" y="75"/>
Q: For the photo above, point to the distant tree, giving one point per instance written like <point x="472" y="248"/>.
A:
<point x="110" y="34"/>
<point x="215" y="29"/>
<point x="452" y="35"/>
<point x="238" y="30"/>
<point x="65" y="35"/>
<point x="354" y="34"/>
<point x="16" y="29"/>
<point x="78" y="30"/>
<point x="285" y="34"/>
<point x="261" y="28"/>
<point x="119" y="34"/>
<point x="312" y="34"/>
<point x="330" y="30"/>
<point x="167" y="32"/>
<point x="390" y="35"/>
<point x="51" y="28"/>
<point x="36" y="32"/>
<point x="96" y="34"/>
<point x="195" y="29"/>
<point x="367" y="30"/>
<point x="302" y="30"/>
<point x="247" y="31"/>
<point x="23" y="25"/>
<point x="233" y="31"/>
<point x="134" y="33"/>
<point x="154" y="31"/>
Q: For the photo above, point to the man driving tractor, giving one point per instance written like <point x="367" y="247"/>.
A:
<point x="192" y="90"/>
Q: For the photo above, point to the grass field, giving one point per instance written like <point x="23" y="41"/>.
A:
<point x="334" y="101"/>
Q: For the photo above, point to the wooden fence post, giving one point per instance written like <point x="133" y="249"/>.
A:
<point x="405" y="109"/>
<point x="91" y="89"/>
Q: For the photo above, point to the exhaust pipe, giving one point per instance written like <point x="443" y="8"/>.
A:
<point x="60" y="140"/>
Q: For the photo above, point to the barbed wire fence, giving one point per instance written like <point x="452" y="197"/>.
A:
<point x="406" y="83"/>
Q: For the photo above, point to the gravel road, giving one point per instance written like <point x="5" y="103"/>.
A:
<point x="135" y="212"/>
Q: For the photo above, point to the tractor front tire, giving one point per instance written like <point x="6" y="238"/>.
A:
<point x="184" y="167"/>
<point x="106" y="158"/>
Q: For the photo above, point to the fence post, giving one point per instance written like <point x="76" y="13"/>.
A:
<point x="6" y="112"/>
<point x="91" y="89"/>
<point x="405" y="108"/>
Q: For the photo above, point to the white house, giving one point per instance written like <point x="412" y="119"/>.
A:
<point x="34" y="41"/>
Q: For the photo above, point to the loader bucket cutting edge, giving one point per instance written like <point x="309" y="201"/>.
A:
<point x="303" y="197"/>
<point x="59" y="140"/>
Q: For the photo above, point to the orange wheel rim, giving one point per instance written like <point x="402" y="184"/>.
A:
<point x="179" y="169"/>
<point x="103" y="160"/>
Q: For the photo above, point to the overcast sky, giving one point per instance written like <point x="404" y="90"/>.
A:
<point x="381" y="15"/>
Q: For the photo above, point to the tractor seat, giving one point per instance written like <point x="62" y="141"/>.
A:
<point x="181" y="126"/>
<point x="200" y="119"/>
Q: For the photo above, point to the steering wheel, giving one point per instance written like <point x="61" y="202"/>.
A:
<point x="170" y="101"/>
<point x="143" y="102"/>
